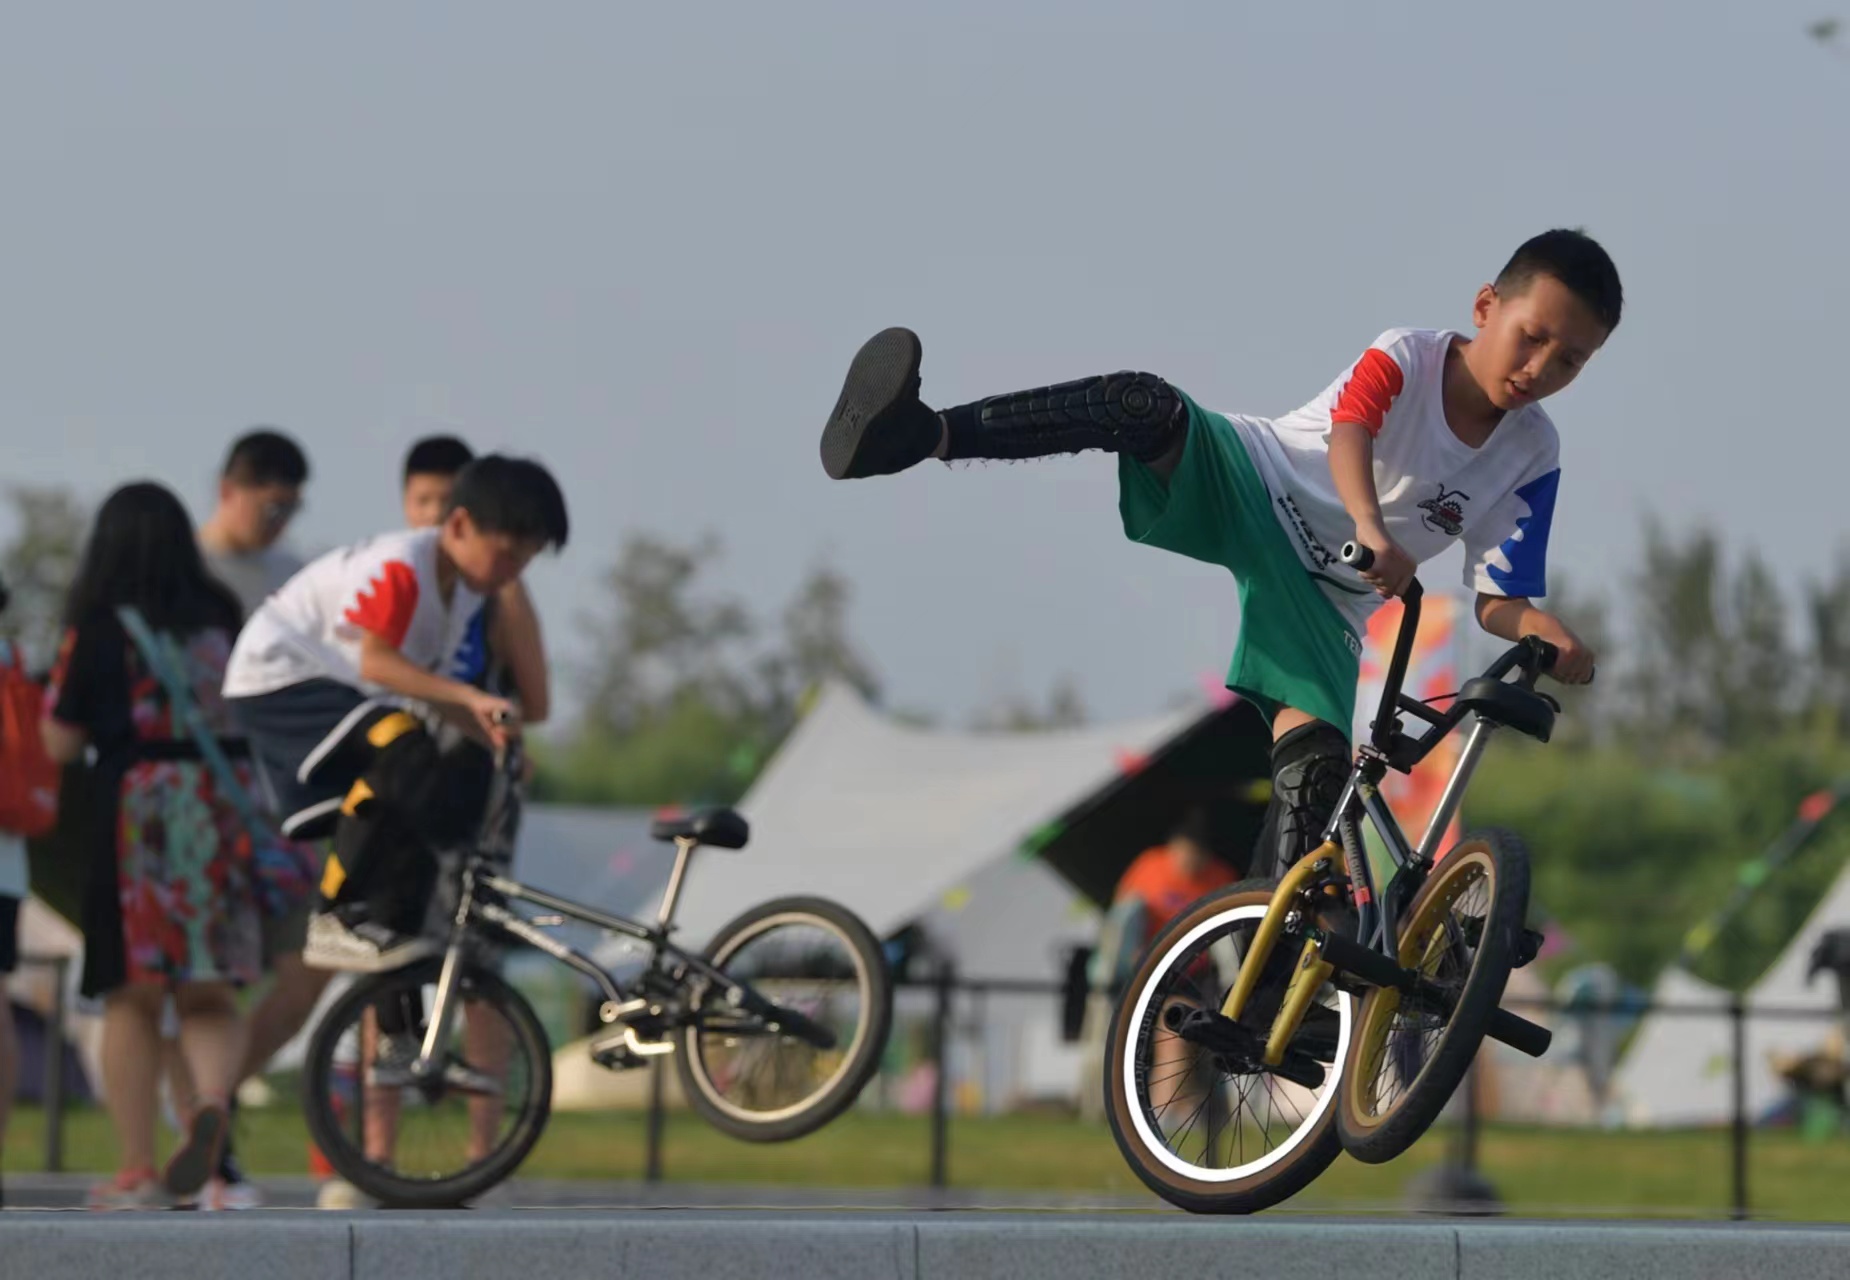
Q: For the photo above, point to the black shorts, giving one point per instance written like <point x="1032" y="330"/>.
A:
<point x="302" y="740"/>
<point x="9" y="933"/>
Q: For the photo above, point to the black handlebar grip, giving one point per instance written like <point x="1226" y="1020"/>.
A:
<point x="1357" y="557"/>
<point x="1546" y="655"/>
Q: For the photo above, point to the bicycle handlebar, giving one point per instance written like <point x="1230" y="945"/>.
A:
<point x="1531" y="654"/>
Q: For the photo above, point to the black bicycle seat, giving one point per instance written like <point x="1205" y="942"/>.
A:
<point x="716" y="828"/>
<point x="1502" y="703"/>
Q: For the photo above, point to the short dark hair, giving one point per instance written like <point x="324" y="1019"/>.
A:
<point x="1197" y="825"/>
<point x="515" y="496"/>
<point x="437" y="456"/>
<point x="1577" y="261"/>
<point x="265" y="456"/>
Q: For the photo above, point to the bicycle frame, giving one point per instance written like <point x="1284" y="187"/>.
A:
<point x="1343" y="853"/>
<point x="475" y="913"/>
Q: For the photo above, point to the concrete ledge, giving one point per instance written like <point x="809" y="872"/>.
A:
<point x="707" y="1245"/>
<point x="1698" y="1251"/>
<point x="172" y="1246"/>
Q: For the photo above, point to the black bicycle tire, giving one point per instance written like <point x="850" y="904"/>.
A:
<point x="1248" y="1195"/>
<point x="843" y="1092"/>
<point x="460" y="1188"/>
<point x="1464" y="1031"/>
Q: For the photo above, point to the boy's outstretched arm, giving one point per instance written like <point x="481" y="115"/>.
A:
<point x="1513" y="617"/>
<point x="1352" y="467"/>
<point x="382" y="664"/>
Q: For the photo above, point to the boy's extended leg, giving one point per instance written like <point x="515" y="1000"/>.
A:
<point x="880" y="425"/>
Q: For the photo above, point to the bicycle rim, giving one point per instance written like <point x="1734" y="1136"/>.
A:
<point x="406" y="1144"/>
<point x="1400" y="1037"/>
<point x="1199" y="1120"/>
<point x="764" y="1078"/>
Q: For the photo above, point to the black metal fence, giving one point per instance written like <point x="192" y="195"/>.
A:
<point x="54" y="1048"/>
<point x="946" y="986"/>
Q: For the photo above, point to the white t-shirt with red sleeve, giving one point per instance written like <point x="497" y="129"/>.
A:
<point x="311" y="627"/>
<point x="1434" y="489"/>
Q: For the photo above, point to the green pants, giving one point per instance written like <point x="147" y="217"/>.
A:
<point x="1294" y="649"/>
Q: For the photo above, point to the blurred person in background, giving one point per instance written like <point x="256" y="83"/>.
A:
<point x="170" y="910"/>
<point x="1154" y="890"/>
<point x="13" y="890"/>
<point x="260" y="492"/>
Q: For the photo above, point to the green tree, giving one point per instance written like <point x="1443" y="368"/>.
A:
<point x="688" y="695"/>
<point x="1065" y="708"/>
<point x="38" y="564"/>
<point x="1826" y="671"/>
<point x="814" y="645"/>
<point x="1714" y="664"/>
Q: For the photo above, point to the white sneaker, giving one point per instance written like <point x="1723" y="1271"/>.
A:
<point x="364" y="947"/>
<point x="338" y="1193"/>
<point x="240" y="1196"/>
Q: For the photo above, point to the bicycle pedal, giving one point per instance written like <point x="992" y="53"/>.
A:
<point x="616" y="1057"/>
<point x="627" y="1049"/>
<point x="1528" y="946"/>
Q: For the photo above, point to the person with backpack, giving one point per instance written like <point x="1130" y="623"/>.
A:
<point x="171" y="908"/>
<point x="28" y="807"/>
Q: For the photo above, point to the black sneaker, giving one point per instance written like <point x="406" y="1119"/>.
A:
<point x="880" y="426"/>
<point x="196" y="1160"/>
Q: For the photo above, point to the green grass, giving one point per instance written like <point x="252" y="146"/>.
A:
<point x="1538" y="1171"/>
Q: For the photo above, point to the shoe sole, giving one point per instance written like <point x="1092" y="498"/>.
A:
<point x="197" y="1160"/>
<point x="333" y="960"/>
<point x="882" y="373"/>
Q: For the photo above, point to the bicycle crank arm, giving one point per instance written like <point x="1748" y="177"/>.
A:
<point x="778" y="1020"/>
<point x="1372" y="967"/>
<point x="1239" y="1048"/>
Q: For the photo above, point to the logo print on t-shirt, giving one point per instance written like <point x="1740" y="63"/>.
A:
<point x="1445" y="513"/>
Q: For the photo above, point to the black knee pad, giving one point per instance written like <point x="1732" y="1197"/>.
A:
<point x="414" y="797"/>
<point x="439" y="794"/>
<point x="1134" y="413"/>
<point x="1310" y="765"/>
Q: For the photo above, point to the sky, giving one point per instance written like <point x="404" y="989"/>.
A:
<point x="641" y="242"/>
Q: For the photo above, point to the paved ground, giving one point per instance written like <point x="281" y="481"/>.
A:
<point x="819" y="1244"/>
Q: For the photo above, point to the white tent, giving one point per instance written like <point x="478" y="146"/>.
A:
<point x="910" y="826"/>
<point x="1678" y="1069"/>
<point x="886" y="818"/>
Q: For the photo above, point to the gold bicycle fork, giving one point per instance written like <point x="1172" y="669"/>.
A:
<point x="1312" y="970"/>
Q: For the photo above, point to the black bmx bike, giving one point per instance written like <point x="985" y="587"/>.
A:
<point x="428" y="1085"/>
<point x="1279" y="1022"/>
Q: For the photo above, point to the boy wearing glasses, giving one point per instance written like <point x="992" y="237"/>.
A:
<point x="259" y="492"/>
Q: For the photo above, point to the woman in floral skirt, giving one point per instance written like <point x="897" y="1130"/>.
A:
<point x="170" y="908"/>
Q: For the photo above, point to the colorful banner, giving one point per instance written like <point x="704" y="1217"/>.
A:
<point x="1432" y="672"/>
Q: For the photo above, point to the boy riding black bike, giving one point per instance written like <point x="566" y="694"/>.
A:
<point x="1431" y="438"/>
<point x="334" y="679"/>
